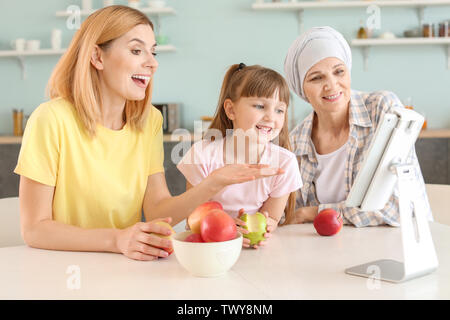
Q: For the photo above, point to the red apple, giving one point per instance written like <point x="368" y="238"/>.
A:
<point x="196" y="217"/>
<point x="328" y="222"/>
<point x="166" y="225"/>
<point x="217" y="226"/>
<point x="195" y="237"/>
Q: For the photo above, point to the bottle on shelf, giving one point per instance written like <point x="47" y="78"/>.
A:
<point x="362" y="33"/>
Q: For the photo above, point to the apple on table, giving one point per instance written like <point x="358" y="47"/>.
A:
<point x="328" y="222"/>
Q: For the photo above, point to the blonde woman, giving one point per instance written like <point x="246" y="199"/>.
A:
<point x="92" y="157"/>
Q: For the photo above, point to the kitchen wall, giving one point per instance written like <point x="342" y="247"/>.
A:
<point x="211" y="35"/>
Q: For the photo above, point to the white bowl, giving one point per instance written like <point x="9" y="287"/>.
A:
<point x="157" y="3"/>
<point x="206" y="259"/>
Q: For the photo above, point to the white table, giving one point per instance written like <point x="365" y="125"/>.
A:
<point x="296" y="264"/>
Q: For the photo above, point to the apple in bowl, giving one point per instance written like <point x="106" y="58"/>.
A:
<point x="196" y="217"/>
<point x="217" y="226"/>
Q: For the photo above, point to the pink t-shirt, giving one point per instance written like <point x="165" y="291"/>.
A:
<point x="204" y="157"/>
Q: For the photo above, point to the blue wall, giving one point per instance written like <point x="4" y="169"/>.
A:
<point x="211" y="35"/>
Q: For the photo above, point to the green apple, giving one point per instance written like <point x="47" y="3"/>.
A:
<point x="256" y="225"/>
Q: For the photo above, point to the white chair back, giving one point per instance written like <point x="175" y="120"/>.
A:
<point x="439" y="198"/>
<point x="10" y="223"/>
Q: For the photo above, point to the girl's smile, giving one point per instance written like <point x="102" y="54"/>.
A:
<point x="263" y="117"/>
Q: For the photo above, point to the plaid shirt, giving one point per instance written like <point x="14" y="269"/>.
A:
<point x="366" y="110"/>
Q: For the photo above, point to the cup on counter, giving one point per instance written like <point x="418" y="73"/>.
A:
<point x="18" y="44"/>
<point x="33" y="45"/>
<point x="17" y="122"/>
<point x="56" y="39"/>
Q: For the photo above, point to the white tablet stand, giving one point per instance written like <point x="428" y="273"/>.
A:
<point x="384" y="166"/>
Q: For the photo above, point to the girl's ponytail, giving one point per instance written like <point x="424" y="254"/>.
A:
<point x="220" y="120"/>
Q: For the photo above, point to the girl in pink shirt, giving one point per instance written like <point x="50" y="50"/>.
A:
<point x="250" y="126"/>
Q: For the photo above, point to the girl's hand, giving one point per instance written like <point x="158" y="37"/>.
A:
<point x="137" y="243"/>
<point x="271" y="226"/>
<point x="239" y="173"/>
<point x="306" y="214"/>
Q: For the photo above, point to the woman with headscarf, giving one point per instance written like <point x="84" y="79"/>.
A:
<point x="332" y="141"/>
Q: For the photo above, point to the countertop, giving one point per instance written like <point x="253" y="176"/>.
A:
<point x="295" y="264"/>
<point x="429" y="133"/>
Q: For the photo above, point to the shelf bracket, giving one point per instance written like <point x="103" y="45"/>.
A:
<point x="300" y="21"/>
<point x="365" y="52"/>
<point x="22" y="66"/>
<point x="420" y="15"/>
<point x="158" y="24"/>
<point x="448" y="57"/>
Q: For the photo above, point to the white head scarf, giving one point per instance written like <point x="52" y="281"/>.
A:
<point x="309" y="48"/>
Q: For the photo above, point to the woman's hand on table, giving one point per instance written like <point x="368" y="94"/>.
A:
<point x="137" y="242"/>
<point x="271" y="226"/>
<point x="306" y="214"/>
<point x="239" y="173"/>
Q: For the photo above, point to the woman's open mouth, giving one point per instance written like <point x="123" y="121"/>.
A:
<point x="333" y="98"/>
<point x="141" y="80"/>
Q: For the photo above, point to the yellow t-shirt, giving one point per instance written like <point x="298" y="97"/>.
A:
<point x="99" y="182"/>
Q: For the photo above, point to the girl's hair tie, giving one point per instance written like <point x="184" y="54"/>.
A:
<point x="241" y="66"/>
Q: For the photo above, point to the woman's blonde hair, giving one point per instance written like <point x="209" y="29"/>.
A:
<point x="76" y="80"/>
<point x="254" y="81"/>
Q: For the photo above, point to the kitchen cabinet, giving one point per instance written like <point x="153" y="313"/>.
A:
<point x="432" y="148"/>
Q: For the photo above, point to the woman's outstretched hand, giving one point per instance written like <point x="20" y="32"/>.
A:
<point x="239" y="173"/>
<point x="137" y="242"/>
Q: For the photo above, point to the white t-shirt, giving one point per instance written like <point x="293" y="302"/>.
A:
<point x="330" y="181"/>
<point x="204" y="157"/>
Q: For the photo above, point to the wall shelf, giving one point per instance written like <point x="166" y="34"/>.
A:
<point x="20" y="55"/>
<point x="300" y="6"/>
<point x="365" y="44"/>
<point x="292" y="6"/>
<point x="149" y="11"/>
<point x="400" y="41"/>
<point x="41" y="52"/>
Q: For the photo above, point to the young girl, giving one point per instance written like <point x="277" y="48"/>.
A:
<point x="250" y="126"/>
